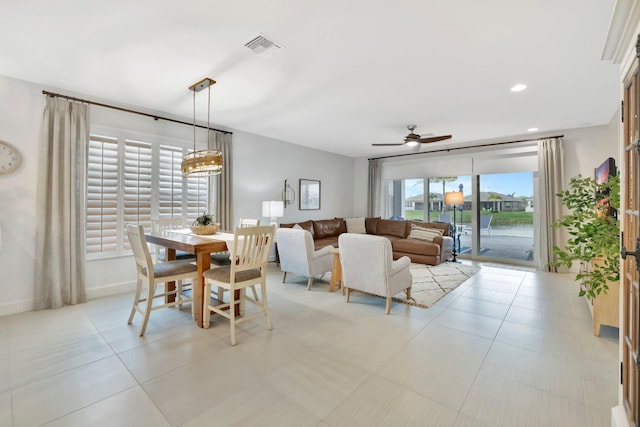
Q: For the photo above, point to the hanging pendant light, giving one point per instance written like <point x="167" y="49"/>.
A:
<point x="203" y="162"/>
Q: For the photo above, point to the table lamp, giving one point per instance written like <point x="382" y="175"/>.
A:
<point x="273" y="209"/>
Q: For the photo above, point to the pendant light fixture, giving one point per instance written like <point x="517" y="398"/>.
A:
<point x="203" y="162"/>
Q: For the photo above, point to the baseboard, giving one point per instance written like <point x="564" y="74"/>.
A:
<point x="112" y="289"/>
<point x="16" y="307"/>
<point x="619" y="417"/>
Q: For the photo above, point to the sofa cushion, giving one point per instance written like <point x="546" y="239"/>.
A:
<point x="306" y="225"/>
<point x="439" y="225"/>
<point x="355" y="225"/>
<point x="391" y="228"/>
<point x="329" y="228"/>
<point x="424" y="233"/>
<point x="370" y="224"/>
<point x="326" y="241"/>
<point x="414" y="246"/>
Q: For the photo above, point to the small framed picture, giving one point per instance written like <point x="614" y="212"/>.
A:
<point x="309" y="194"/>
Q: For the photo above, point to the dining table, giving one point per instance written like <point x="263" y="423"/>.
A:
<point x="199" y="245"/>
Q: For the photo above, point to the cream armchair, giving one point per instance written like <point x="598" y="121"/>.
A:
<point x="298" y="255"/>
<point x="368" y="266"/>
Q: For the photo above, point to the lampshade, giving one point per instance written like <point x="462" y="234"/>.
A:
<point x="203" y="162"/>
<point x="453" y="198"/>
<point x="273" y="208"/>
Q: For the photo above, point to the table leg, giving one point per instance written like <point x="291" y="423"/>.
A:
<point x="203" y="262"/>
<point x="336" y="273"/>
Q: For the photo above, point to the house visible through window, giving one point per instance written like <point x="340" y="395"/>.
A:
<point x="131" y="181"/>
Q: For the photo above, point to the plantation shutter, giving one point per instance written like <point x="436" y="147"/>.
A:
<point x="197" y="199"/>
<point x="170" y="182"/>
<point x="137" y="184"/>
<point x="102" y="195"/>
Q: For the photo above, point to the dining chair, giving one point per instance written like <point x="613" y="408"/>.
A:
<point x="248" y="222"/>
<point x="250" y="254"/>
<point x="164" y="224"/>
<point x="153" y="274"/>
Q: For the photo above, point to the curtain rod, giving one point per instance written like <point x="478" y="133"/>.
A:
<point x="126" y="110"/>
<point x="463" y="148"/>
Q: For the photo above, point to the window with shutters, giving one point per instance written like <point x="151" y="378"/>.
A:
<point x="131" y="180"/>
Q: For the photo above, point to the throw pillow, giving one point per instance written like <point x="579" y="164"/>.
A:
<point x="424" y="233"/>
<point x="297" y="227"/>
<point x="355" y="225"/>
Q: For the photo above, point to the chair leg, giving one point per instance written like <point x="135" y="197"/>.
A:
<point x="220" y="294"/>
<point x="136" y="301"/>
<point x="255" y="293"/>
<point x="284" y="277"/>
<point x="178" y="293"/>
<point x="309" y="283"/>
<point x="348" y="293"/>
<point x="387" y="309"/>
<point x="408" y="293"/>
<point x="232" y="315"/>
<point x="147" y="312"/>
<point x="206" y="313"/>
<point x="265" y="307"/>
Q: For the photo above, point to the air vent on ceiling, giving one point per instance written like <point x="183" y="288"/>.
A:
<point x="262" y="46"/>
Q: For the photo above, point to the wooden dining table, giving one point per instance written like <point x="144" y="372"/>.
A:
<point x="201" y="247"/>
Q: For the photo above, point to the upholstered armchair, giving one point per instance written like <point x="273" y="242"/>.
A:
<point x="368" y="266"/>
<point x="298" y="255"/>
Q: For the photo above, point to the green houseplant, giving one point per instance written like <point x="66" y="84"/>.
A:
<point x="594" y="233"/>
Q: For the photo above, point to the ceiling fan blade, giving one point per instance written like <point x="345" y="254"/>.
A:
<point x="434" y="139"/>
<point x="386" y="145"/>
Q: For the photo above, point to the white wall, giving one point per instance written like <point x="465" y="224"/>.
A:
<point x="260" y="166"/>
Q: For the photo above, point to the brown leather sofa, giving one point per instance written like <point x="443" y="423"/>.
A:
<point x="325" y="232"/>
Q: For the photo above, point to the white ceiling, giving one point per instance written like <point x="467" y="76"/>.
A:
<point x="352" y="72"/>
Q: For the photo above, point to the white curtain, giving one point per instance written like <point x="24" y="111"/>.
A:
<point x="224" y="196"/>
<point x="60" y="225"/>
<point x="374" y="187"/>
<point x="550" y="182"/>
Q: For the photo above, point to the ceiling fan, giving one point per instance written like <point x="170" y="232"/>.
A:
<point x="413" y="139"/>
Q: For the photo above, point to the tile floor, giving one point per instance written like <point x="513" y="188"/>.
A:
<point x="508" y="347"/>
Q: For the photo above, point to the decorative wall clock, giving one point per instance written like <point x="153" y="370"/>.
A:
<point x="9" y="158"/>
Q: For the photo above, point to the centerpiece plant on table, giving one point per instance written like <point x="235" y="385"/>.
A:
<point x="205" y="224"/>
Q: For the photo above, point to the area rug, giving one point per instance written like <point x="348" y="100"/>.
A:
<point x="432" y="282"/>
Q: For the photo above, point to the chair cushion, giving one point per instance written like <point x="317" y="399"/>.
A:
<point x="223" y="274"/>
<point x="171" y="268"/>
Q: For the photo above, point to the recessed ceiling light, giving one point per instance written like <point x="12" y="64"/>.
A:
<point x="518" y="88"/>
<point x="532" y="129"/>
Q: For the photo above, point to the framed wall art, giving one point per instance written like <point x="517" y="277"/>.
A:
<point x="309" y="194"/>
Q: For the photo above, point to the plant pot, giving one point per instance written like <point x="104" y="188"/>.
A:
<point x="205" y="229"/>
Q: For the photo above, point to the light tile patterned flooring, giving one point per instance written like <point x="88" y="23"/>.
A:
<point x="509" y="348"/>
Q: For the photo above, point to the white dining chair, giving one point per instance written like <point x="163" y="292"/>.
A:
<point x="250" y="254"/>
<point x="154" y="274"/>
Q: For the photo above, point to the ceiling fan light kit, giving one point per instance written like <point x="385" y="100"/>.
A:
<point x="412" y="140"/>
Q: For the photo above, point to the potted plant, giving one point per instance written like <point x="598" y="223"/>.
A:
<point x="594" y="233"/>
<point x="205" y="224"/>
